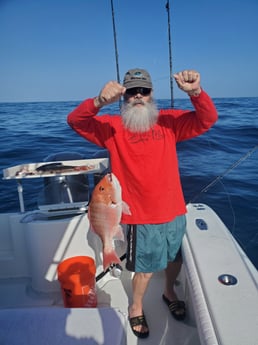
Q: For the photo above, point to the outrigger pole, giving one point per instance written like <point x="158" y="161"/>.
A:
<point x="170" y="56"/>
<point x="115" y="42"/>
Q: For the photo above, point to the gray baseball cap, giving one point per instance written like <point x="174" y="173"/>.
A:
<point x="137" y="77"/>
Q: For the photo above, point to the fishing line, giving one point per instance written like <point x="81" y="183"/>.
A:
<point x="227" y="171"/>
<point x="233" y="227"/>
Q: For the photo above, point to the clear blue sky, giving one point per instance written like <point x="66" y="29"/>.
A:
<point x="61" y="50"/>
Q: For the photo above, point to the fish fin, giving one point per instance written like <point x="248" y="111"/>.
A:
<point x="110" y="258"/>
<point x="91" y="227"/>
<point x="125" y="208"/>
<point x="118" y="233"/>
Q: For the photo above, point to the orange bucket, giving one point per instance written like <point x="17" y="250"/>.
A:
<point x="76" y="276"/>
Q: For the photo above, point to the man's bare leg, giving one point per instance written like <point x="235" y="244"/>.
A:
<point x="172" y="272"/>
<point x="140" y="284"/>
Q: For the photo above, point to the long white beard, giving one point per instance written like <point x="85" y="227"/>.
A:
<point x="139" y="118"/>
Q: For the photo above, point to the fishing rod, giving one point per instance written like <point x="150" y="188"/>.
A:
<point x="115" y="270"/>
<point x="170" y="56"/>
<point x="115" y="42"/>
<point x="228" y="170"/>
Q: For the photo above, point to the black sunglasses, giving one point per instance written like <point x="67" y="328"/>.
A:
<point x="144" y="91"/>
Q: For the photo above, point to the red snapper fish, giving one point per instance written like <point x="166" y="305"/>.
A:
<point x="104" y="212"/>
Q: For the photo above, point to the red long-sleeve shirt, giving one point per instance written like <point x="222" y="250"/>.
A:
<point x="146" y="163"/>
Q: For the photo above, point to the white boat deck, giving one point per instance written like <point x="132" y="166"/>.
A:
<point x="31" y="306"/>
<point x="20" y="305"/>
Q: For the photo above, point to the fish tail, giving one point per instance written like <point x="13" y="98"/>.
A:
<point x="110" y="258"/>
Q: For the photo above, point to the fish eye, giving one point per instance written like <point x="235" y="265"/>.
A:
<point x="101" y="188"/>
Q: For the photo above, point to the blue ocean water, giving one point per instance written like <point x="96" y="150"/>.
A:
<point x="224" y="159"/>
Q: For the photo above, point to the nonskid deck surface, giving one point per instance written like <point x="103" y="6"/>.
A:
<point x="114" y="293"/>
<point x="17" y="293"/>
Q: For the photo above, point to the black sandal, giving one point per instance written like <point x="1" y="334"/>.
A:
<point x="139" y="321"/>
<point x="177" y="308"/>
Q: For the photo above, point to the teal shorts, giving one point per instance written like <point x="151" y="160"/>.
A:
<point x="151" y="246"/>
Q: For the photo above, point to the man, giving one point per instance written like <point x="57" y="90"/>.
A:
<point x="142" y="145"/>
